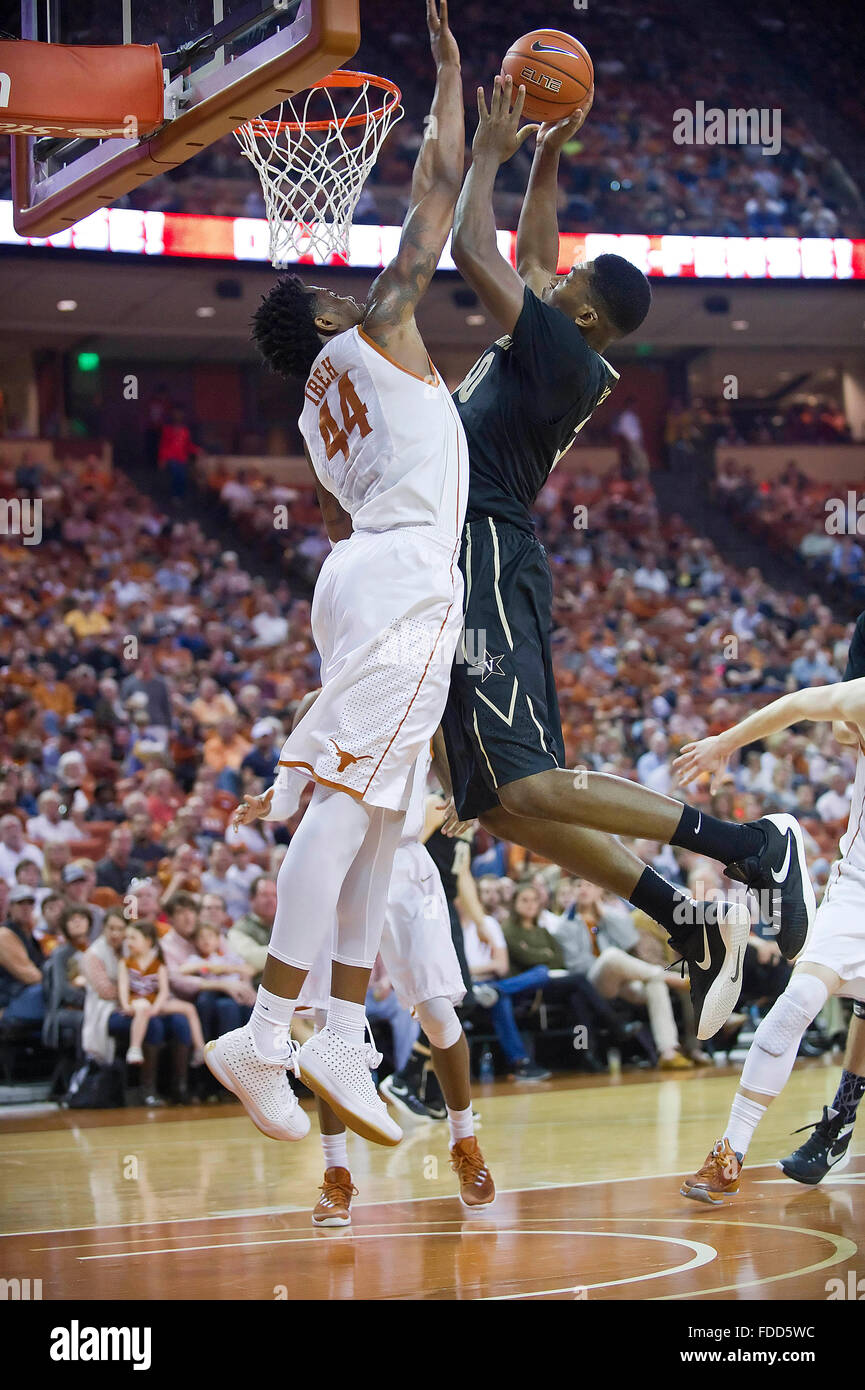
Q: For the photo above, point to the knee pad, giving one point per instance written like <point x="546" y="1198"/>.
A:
<point x="790" y="1015"/>
<point x="319" y="1019"/>
<point x="439" y="1021"/>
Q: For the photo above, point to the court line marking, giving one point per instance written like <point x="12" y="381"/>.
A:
<point x="844" y="1250"/>
<point x="289" y="1210"/>
<point x="703" y="1253"/>
<point x="839" y="1255"/>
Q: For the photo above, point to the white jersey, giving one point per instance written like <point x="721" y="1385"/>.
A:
<point x="388" y="444"/>
<point x="837" y="938"/>
<point x="851" y="865"/>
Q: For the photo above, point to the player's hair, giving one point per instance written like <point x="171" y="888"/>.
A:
<point x="283" y="328"/>
<point x="623" y="291"/>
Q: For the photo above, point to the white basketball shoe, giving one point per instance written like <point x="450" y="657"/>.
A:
<point x="261" y="1087"/>
<point x="339" y="1072"/>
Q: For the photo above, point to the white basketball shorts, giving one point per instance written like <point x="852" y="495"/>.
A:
<point x="837" y="937"/>
<point x="386" y="618"/>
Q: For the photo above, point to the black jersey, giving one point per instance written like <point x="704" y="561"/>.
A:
<point x="856" y="655"/>
<point x="522" y="405"/>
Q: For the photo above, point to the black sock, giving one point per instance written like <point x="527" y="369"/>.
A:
<point x="661" y="901"/>
<point x="719" y="839"/>
<point x="851" y="1089"/>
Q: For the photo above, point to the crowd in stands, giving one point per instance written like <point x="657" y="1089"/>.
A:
<point x="822" y="523"/>
<point x="147" y="681"/>
<point x="624" y="173"/>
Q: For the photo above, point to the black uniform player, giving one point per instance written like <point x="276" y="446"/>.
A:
<point x="523" y="402"/>
<point x="522" y="405"/>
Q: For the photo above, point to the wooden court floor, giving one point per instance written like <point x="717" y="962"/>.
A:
<point x="194" y="1203"/>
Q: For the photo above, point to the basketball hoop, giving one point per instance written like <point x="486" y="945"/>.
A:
<point x="311" y="169"/>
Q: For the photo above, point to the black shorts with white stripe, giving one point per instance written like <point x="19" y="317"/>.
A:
<point x="502" y="718"/>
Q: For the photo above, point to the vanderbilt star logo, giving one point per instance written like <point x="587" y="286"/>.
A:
<point x="490" y="665"/>
<point x="347" y="759"/>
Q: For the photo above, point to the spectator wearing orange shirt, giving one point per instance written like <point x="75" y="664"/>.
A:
<point x="224" y="751"/>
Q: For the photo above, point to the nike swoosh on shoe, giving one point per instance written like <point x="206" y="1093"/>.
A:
<point x="785" y="867"/>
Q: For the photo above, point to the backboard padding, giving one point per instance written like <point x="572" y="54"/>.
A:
<point x="325" y="34"/>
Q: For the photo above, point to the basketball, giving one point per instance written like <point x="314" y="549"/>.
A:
<point x="555" y="70"/>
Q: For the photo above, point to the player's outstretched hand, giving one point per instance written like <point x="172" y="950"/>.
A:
<point x="707" y="755"/>
<point x="498" y="132"/>
<point x="552" y="135"/>
<point x="452" y="826"/>
<point x="252" y="808"/>
<point x="442" y="42"/>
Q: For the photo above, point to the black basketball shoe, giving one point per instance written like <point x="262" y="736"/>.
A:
<point x="714" y="948"/>
<point x="779" y="875"/>
<point x="397" y="1090"/>
<point x="827" y="1147"/>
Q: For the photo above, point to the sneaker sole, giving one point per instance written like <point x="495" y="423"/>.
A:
<point x="227" y="1078"/>
<point x="332" y="1221"/>
<point x="724" y="991"/>
<point x="367" y="1126"/>
<point x="701" y="1194"/>
<point x="478" y="1206"/>
<point x="785" y="823"/>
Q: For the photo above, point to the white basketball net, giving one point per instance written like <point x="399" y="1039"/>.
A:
<point x="312" y="170"/>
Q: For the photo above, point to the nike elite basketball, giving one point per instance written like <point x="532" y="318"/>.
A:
<point x="555" y="70"/>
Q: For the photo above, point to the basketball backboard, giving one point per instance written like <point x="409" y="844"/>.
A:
<point x="224" y="61"/>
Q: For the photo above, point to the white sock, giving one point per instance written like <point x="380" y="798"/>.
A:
<point x="460" y="1124"/>
<point x="270" y="1025"/>
<point x="347" y="1019"/>
<point x="745" y="1115"/>
<point x="335" y="1150"/>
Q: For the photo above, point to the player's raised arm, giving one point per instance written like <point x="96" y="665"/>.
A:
<point x="538" y="229"/>
<point x="843" y="702"/>
<point x="438" y="171"/>
<point x="475" y="249"/>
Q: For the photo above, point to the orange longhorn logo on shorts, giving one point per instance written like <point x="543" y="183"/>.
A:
<point x="346" y="759"/>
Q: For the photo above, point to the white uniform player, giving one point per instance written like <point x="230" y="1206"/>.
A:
<point x="387" y="609"/>
<point x="416" y="946"/>
<point x="390" y="460"/>
<point x="832" y="960"/>
<point x="837" y="939"/>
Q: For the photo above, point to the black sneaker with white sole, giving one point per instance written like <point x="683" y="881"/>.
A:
<point x="400" y="1095"/>
<point x="779" y="875"/>
<point x="827" y="1147"/>
<point x="529" y="1071"/>
<point x="714" y="948"/>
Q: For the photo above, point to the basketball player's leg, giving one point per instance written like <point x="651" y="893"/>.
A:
<point x="252" y="1060"/>
<point x="503" y="733"/>
<point x="333" y="1207"/>
<point x="765" y="1074"/>
<point x="828" y="1145"/>
<point x="450" y="1059"/>
<point x="336" y="1062"/>
<point x="768" y="854"/>
<point x="701" y="932"/>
